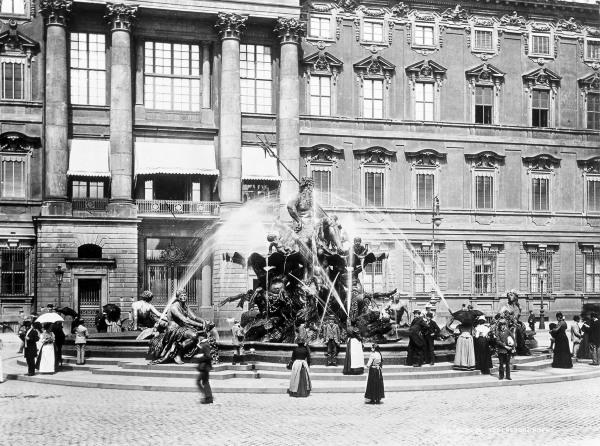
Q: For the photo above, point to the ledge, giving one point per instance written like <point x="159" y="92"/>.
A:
<point x="96" y="262"/>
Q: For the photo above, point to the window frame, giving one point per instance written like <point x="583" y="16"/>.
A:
<point x="435" y="34"/>
<point x="26" y="10"/>
<point x="487" y="173"/>
<point x="363" y="38"/>
<point x="590" y="178"/>
<point x="535" y="255"/>
<point x="591" y="253"/>
<point x="374" y="170"/>
<point x="587" y="111"/>
<point x="322" y="167"/>
<point x="424" y="117"/>
<point x="421" y="278"/>
<point x="586" y="55"/>
<point x="270" y="81"/>
<point x="548" y="110"/>
<point x="87" y="70"/>
<point x="195" y="102"/>
<point x="311" y="97"/>
<point x="21" y="158"/>
<point x="370" y="274"/>
<point x="371" y="80"/>
<point x="536" y="34"/>
<point x="26" y="252"/>
<point x="16" y="59"/>
<point x="484" y="254"/>
<point x="88" y="182"/>
<point x="319" y="37"/>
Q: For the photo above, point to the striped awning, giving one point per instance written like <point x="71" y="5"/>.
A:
<point x="89" y="158"/>
<point x="172" y="156"/>
<point x="257" y="165"/>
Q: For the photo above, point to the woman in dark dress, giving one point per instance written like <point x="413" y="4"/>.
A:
<point x="483" y="354"/>
<point x="375" y="391"/>
<point x="300" y="385"/>
<point x="584" y="346"/>
<point x="562" y="352"/>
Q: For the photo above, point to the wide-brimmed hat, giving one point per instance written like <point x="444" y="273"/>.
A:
<point x="416" y="311"/>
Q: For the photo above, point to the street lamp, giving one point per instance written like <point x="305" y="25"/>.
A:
<point x="541" y="270"/>
<point x="59" y="272"/>
<point x="436" y="221"/>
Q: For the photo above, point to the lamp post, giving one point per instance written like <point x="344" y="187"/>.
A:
<point x="436" y="221"/>
<point x="541" y="270"/>
<point x="59" y="272"/>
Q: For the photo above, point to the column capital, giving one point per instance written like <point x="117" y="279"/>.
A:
<point x="57" y="12"/>
<point x="120" y="16"/>
<point x="290" y="30"/>
<point x="230" y="25"/>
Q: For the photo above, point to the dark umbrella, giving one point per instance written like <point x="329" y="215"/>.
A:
<point x="466" y="317"/>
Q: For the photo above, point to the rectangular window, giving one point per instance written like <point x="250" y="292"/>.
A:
<point x="425" y="190"/>
<point x="373" y="98"/>
<point x="373" y="277"/>
<point x="540" y="272"/>
<point x="13" y="177"/>
<point x="149" y="190"/>
<point x="172" y="76"/>
<point x="424" y="35"/>
<point x="88" y="69"/>
<point x="372" y="31"/>
<point x="374" y="189"/>
<point x="13" y="78"/>
<point x="16" y="7"/>
<point x="87" y="189"/>
<point x="196" y="193"/>
<point x="320" y="27"/>
<point x="484" y="104"/>
<point x="424" y="273"/>
<point x="320" y="95"/>
<point x="540" y="44"/>
<point x="256" y="78"/>
<point x="593" y="49"/>
<point x="484" y="272"/>
<point x="540" y="107"/>
<point x="424" y="101"/>
<point x="593" y="195"/>
<point x="592" y="272"/>
<point x="13" y="271"/>
<point x="593" y="111"/>
<point x="483" y="39"/>
<point x="322" y="182"/>
<point x="484" y="192"/>
<point x="540" y="194"/>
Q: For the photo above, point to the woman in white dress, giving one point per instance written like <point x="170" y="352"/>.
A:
<point x="354" y="364"/>
<point x="46" y="357"/>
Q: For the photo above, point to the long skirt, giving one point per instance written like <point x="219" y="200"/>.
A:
<point x="562" y="353"/>
<point x="584" y="347"/>
<point x="300" y="385"/>
<point x="46" y="359"/>
<point x="354" y="363"/>
<point x="464" y="359"/>
<point x="375" y="391"/>
<point x="483" y="356"/>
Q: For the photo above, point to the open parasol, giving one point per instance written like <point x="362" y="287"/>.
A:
<point x="466" y="317"/>
<point x="49" y="317"/>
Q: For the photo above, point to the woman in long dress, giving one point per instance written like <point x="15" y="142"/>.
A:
<point x="354" y="363"/>
<point x="300" y="385"/>
<point x="375" y="391"/>
<point x="464" y="359"/>
<point x="483" y="355"/>
<point x="46" y="360"/>
<point x="562" y="353"/>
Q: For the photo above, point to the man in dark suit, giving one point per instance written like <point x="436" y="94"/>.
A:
<point x="416" y="340"/>
<point x="594" y="334"/>
<point x="31" y="338"/>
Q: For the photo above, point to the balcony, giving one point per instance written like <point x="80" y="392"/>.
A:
<point x="178" y="207"/>
<point x="89" y="204"/>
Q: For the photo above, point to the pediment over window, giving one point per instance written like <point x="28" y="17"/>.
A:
<point x="374" y="66"/>
<point x="485" y="160"/>
<point x="590" y="82"/>
<point x="591" y="165"/>
<point x="426" y="69"/>
<point x="322" y="62"/>
<point x="540" y="247"/>
<point x="12" y="41"/>
<point x="543" y="77"/>
<point x="426" y="157"/>
<point x="17" y="142"/>
<point x="321" y="153"/>
<point x="375" y="155"/>
<point x="542" y="162"/>
<point x="485" y="73"/>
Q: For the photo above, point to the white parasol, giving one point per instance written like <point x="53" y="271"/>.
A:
<point x="49" y="317"/>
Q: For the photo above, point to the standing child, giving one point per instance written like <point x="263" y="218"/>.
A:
<point x="81" y="335"/>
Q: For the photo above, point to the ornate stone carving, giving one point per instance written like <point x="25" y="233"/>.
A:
<point x="513" y="20"/>
<point x="485" y="74"/>
<point x="426" y="70"/>
<point x="12" y="41"/>
<point x="17" y="142"/>
<point x="120" y="16"/>
<point x="400" y="10"/>
<point x="290" y="30"/>
<point x="172" y="255"/>
<point x="321" y="153"/>
<point x="374" y="66"/>
<point x="57" y="12"/>
<point x="542" y="77"/>
<point x="485" y="160"/>
<point x="590" y="82"/>
<point x="456" y="14"/>
<point x="590" y="166"/>
<point x="570" y="25"/>
<point x="425" y="158"/>
<point x="347" y="5"/>
<point x="545" y="163"/>
<point x="230" y="25"/>
<point x="322" y="62"/>
<point x="375" y="155"/>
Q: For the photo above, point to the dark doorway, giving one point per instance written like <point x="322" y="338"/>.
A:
<point x="89" y="297"/>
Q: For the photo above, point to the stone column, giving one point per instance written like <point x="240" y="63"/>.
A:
<point x="230" y="27"/>
<point x="120" y="18"/>
<point x="205" y="74"/>
<point x="56" y="149"/>
<point x="290" y="32"/>
<point x="206" y="286"/>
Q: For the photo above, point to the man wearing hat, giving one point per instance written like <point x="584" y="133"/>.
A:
<point x="31" y="339"/>
<point x="416" y="342"/>
<point x="506" y="346"/>
<point x="331" y="337"/>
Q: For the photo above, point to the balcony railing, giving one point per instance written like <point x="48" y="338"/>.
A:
<point x="89" y="204"/>
<point x="178" y="207"/>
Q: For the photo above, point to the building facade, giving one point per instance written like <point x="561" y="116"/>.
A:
<point x="128" y="134"/>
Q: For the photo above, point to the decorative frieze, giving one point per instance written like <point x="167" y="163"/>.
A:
<point x="485" y="160"/>
<point x="120" y="16"/>
<point x="56" y="12"/>
<point x="230" y="25"/>
<point x="290" y="30"/>
<point x="374" y="66"/>
<point x="322" y="63"/>
<point x="425" y="158"/>
<point x="541" y="163"/>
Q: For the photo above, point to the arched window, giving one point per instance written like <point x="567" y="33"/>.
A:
<point x="89" y="251"/>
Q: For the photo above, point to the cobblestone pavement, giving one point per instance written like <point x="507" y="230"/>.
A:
<point x="543" y="414"/>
